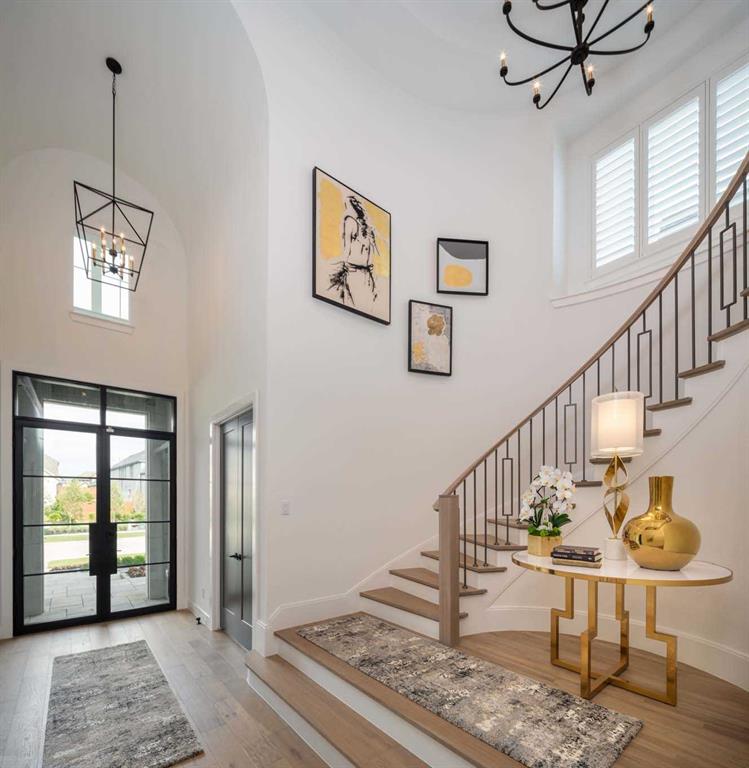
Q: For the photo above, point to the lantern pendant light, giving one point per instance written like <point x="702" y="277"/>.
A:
<point x="112" y="233"/>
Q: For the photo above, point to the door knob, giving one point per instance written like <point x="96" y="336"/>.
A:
<point x="236" y="556"/>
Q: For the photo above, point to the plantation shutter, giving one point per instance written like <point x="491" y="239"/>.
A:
<point x="615" y="204"/>
<point x="673" y="171"/>
<point x="731" y="126"/>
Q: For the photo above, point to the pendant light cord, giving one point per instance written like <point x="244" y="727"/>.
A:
<point x="114" y="98"/>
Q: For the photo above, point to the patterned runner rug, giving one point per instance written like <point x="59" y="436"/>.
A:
<point x="537" y="725"/>
<point x="113" y="708"/>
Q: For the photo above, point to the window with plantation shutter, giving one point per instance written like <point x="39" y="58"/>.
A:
<point x="615" y="204"/>
<point x="673" y="171"/>
<point x="731" y="125"/>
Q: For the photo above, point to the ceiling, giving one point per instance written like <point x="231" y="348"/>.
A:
<point x="446" y="53"/>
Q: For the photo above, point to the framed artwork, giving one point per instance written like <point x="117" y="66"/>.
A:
<point x="430" y="338"/>
<point x="463" y="266"/>
<point x="351" y="249"/>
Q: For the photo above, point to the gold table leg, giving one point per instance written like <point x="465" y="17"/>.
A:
<point x="590" y="683"/>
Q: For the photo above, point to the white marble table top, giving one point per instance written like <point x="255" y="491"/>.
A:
<point x="696" y="574"/>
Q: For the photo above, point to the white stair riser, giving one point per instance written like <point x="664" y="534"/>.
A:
<point x="411" y="738"/>
<point x="403" y="618"/>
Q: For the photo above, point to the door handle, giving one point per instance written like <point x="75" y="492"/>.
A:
<point x="236" y="556"/>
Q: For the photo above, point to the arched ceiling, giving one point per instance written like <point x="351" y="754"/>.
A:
<point x="185" y="99"/>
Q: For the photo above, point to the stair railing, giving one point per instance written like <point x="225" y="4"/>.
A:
<point x="669" y="337"/>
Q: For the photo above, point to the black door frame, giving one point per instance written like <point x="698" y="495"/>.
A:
<point x="104" y="531"/>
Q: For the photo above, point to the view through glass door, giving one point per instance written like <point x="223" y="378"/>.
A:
<point x="94" y="501"/>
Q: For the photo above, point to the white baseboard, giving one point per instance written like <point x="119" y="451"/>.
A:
<point x="203" y="615"/>
<point x="317" y="743"/>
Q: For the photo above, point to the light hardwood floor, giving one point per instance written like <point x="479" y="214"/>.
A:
<point x="709" y="728"/>
<point x="205" y="669"/>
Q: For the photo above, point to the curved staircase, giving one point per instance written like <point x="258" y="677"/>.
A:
<point x="671" y="338"/>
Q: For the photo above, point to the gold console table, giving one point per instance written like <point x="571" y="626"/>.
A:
<point x="619" y="573"/>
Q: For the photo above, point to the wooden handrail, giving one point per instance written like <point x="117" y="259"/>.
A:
<point x="717" y="210"/>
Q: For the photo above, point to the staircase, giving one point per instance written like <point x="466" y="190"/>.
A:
<point x="669" y="340"/>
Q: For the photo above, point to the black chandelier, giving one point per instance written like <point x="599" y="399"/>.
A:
<point x="121" y="228"/>
<point x="576" y="54"/>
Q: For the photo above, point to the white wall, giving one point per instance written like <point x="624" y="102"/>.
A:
<point x="359" y="446"/>
<point x="37" y="333"/>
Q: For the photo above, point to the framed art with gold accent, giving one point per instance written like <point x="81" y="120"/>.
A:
<point x="463" y="266"/>
<point x="430" y="338"/>
<point x="351" y="249"/>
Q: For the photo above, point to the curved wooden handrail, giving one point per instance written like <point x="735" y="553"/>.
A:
<point x="717" y="210"/>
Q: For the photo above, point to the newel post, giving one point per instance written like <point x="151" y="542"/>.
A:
<point x="449" y="571"/>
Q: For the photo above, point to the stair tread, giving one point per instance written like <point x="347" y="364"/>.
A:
<point x="742" y="325"/>
<point x="700" y="369"/>
<point x="652" y="432"/>
<point x="397" y="598"/>
<point x="434" y="554"/>
<point x="588" y="483"/>
<point x="503" y="521"/>
<point x="352" y="735"/>
<point x="599" y="460"/>
<point x="431" y="579"/>
<point x="470" y="748"/>
<point x="668" y="404"/>
<point x="482" y="540"/>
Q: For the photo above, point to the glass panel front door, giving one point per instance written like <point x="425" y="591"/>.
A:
<point x="58" y="509"/>
<point x="94" y="528"/>
<point x="140" y="507"/>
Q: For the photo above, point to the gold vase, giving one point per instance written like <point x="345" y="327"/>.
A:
<point x="661" y="539"/>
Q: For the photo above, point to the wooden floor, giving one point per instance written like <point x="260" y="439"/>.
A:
<point x="709" y="728"/>
<point x="205" y="669"/>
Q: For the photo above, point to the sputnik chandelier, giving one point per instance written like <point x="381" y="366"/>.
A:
<point x="112" y="233"/>
<point x="575" y="55"/>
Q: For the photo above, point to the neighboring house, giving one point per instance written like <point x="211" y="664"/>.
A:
<point x="130" y="471"/>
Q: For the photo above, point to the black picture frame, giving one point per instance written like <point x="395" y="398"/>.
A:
<point x="315" y="292"/>
<point x="411" y="369"/>
<point x="484" y="243"/>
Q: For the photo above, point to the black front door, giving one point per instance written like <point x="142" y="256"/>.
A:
<point x="94" y="496"/>
<point x="237" y="519"/>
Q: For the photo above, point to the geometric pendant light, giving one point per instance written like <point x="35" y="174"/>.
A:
<point x="112" y="233"/>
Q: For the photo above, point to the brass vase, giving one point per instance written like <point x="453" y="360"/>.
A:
<point x="541" y="546"/>
<point x="660" y="539"/>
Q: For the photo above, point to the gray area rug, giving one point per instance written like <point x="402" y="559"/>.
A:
<point x="539" y="726"/>
<point x="113" y="708"/>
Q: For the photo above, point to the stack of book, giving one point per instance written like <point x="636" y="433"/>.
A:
<point x="567" y="554"/>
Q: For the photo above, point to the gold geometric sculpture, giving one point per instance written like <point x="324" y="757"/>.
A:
<point x="615" y="479"/>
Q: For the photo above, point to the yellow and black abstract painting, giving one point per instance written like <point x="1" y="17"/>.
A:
<point x="351" y="250"/>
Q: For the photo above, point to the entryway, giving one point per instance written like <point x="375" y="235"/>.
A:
<point x="94" y="499"/>
<point x="237" y="513"/>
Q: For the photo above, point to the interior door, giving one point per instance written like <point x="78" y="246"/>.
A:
<point x="237" y="449"/>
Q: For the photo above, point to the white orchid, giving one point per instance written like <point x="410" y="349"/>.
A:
<point x="546" y="502"/>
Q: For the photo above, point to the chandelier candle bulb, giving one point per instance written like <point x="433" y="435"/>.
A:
<point x="503" y="64"/>
<point x="649" y="12"/>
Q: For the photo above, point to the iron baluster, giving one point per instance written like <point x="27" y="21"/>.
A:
<point x="486" y="530"/>
<point x="465" y="536"/>
<point x="496" y="497"/>
<point x="660" y="347"/>
<point x="475" y="532"/>
<point x="709" y="294"/>
<point x="694" y="325"/>
<point x="676" y="336"/>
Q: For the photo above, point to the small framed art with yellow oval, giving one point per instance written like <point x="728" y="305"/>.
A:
<point x="463" y="266"/>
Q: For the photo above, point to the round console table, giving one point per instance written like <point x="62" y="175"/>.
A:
<point x="619" y="573"/>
